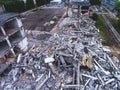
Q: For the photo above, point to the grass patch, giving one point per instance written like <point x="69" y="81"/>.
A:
<point x="101" y="25"/>
<point x="114" y="22"/>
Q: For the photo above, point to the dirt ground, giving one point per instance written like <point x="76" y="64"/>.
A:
<point x="112" y="44"/>
<point x="37" y="23"/>
<point x="39" y="19"/>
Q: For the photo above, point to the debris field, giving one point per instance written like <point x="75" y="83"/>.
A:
<point x="73" y="59"/>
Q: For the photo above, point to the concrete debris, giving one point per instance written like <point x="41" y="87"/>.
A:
<point x="73" y="59"/>
<point x="52" y="22"/>
<point x="19" y="58"/>
<point x="42" y="36"/>
<point x="3" y="67"/>
<point x="46" y="24"/>
<point x="55" y="18"/>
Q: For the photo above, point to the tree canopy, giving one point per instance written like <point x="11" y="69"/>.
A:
<point x="20" y="6"/>
<point x="95" y="2"/>
<point x="117" y="8"/>
<point x="95" y="17"/>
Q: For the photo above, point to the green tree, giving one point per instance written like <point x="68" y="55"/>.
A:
<point x="95" y="2"/>
<point x="13" y="5"/>
<point x="95" y="16"/>
<point x="117" y="8"/>
<point x="42" y="2"/>
<point x="29" y="4"/>
<point x="118" y="22"/>
<point x="20" y="6"/>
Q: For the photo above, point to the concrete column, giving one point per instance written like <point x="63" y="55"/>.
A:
<point x="13" y="52"/>
<point x="3" y="31"/>
<point x="10" y="45"/>
<point x="79" y="11"/>
<point x="35" y="3"/>
<point x="19" y="22"/>
<point x="22" y="31"/>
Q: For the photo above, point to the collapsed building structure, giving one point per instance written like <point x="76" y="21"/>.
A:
<point x="82" y="6"/>
<point x="72" y="59"/>
<point x="12" y="37"/>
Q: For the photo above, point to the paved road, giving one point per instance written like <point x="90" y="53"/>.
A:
<point x="109" y="12"/>
<point x="99" y="13"/>
<point x="112" y="28"/>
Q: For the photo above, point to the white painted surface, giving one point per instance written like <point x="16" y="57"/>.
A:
<point x="19" y="22"/>
<point x="49" y="60"/>
<point x="23" y="44"/>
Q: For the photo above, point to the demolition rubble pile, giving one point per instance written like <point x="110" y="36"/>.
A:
<point x="74" y="59"/>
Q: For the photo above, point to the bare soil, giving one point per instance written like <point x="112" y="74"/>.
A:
<point x="112" y="44"/>
<point x="35" y="19"/>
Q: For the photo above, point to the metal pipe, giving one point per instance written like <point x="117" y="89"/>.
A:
<point x="78" y="76"/>
<point x="95" y="78"/>
<point x="106" y="72"/>
<point x="109" y="81"/>
<point x="70" y="86"/>
<point x="86" y="84"/>
<point x="112" y="62"/>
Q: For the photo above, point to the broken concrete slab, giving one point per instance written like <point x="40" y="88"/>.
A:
<point x="64" y="51"/>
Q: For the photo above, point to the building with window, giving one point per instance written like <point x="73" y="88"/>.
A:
<point x="109" y="3"/>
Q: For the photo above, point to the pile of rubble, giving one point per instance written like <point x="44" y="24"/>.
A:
<point x="74" y="59"/>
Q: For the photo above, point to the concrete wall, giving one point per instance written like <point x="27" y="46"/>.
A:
<point x="2" y="9"/>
